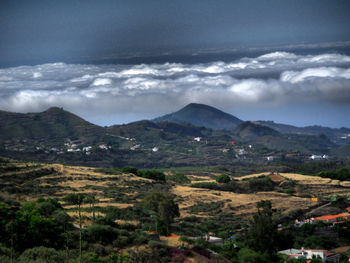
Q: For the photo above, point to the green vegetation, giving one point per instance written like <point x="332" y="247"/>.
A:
<point x="42" y="231"/>
<point x="245" y="186"/>
<point x="342" y="174"/>
<point x="180" y="178"/>
<point x="152" y="174"/>
<point x="163" y="209"/>
<point x="223" y="178"/>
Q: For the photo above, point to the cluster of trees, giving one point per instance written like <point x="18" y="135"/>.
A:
<point x="261" y="241"/>
<point x="42" y="231"/>
<point x="342" y="174"/>
<point x="179" y="178"/>
<point x="41" y="223"/>
<point x="245" y="186"/>
<point x="153" y="174"/>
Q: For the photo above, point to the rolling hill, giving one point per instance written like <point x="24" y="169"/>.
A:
<point x="52" y="124"/>
<point x="250" y="129"/>
<point x="56" y="135"/>
<point x="336" y="135"/>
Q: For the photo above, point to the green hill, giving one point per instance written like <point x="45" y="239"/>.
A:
<point x="203" y="116"/>
<point x="250" y="129"/>
<point x="52" y="124"/>
<point x="336" y="135"/>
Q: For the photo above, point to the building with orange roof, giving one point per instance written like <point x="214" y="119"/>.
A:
<point x="333" y="218"/>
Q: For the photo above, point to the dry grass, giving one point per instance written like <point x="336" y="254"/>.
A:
<point x="100" y="205"/>
<point x="127" y="222"/>
<point x="75" y="179"/>
<point x="236" y="203"/>
<point x="84" y="213"/>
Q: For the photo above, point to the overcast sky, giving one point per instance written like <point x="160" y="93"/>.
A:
<point x="298" y="73"/>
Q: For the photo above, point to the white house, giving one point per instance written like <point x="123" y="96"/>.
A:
<point x="198" y="139"/>
<point x="270" y="158"/>
<point x="309" y="253"/>
<point x="214" y="240"/>
<point x="103" y="147"/>
<point x="87" y="148"/>
<point x="155" y="149"/>
<point x="315" y="157"/>
<point x="133" y="148"/>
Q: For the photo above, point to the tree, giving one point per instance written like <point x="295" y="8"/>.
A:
<point x="262" y="232"/>
<point x="246" y="255"/>
<point x="92" y="201"/>
<point x="33" y="229"/>
<point x="164" y="206"/>
<point x="77" y="199"/>
<point x="223" y="178"/>
<point x="64" y="220"/>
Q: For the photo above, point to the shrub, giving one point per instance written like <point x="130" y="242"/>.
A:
<point x="261" y="184"/>
<point x="130" y="169"/>
<point x="41" y="255"/>
<point x="223" y="178"/>
<point x="101" y="233"/>
<point x="152" y="174"/>
<point x="179" y="178"/>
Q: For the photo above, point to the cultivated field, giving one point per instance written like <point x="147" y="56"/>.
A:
<point x="125" y="191"/>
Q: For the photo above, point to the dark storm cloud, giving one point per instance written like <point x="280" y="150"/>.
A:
<point x="144" y="90"/>
<point x="41" y="30"/>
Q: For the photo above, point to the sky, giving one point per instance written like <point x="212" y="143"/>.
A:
<point x="113" y="61"/>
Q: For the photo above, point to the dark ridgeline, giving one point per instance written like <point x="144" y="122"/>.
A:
<point x="38" y="136"/>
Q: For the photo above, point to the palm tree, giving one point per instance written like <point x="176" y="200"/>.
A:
<point x="77" y="199"/>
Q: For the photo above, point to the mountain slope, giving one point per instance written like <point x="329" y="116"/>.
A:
<point x="250" y="129"/>
<point x="52" y="123"/>
<point x="202" y="115"/>
<point x="256" y="133"/>
<point x="338" y="136"/>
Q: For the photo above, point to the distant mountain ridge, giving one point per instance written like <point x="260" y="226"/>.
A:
<point x="203" y="116"/>
<point x="205" y="141"/>
<point x="336" y="135"/>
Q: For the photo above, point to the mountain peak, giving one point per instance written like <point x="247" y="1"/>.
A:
<point x="202" y="115"/>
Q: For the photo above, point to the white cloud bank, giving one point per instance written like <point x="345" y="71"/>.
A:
<point x="278" y="79"/>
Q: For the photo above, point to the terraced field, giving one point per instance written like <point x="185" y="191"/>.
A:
<point x="29" y="181"/>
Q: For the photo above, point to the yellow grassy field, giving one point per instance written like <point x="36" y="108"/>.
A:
<point x="74" y="179"/>
<point x="234" y="202"/>
<point x="119" y="205"/>
<point x="318" y="185"/>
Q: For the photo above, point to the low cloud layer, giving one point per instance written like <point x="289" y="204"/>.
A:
<point x="109" y="94"/>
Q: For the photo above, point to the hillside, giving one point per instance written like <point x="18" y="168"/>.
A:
<point x="119" y="211"/>
<point x="255" y="133"/>
<point x="115" y="188"/>
<point x="248" y="130"/>
<point x="52" y="124"/>
<point x="56" y="135"/>
<point x="202" y="115"/>
<point x="338" y="136"/>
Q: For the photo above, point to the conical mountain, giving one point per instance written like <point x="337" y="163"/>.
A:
<point x="203" y="116"/>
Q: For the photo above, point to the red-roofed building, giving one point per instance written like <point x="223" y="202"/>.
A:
<point x="333" y="218"/>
